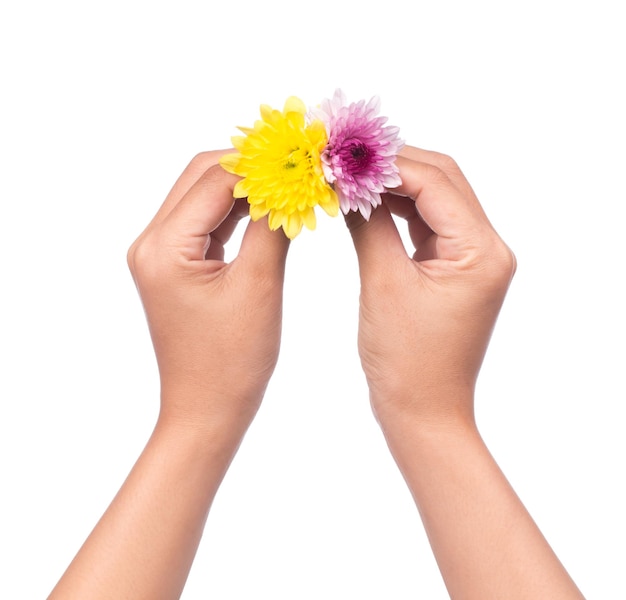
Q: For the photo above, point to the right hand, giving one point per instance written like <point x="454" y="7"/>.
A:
<point x="425" y="321"/>
<point x="215" y="326"/>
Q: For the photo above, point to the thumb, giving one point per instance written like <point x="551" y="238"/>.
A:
<point x="264" y="250"/>
<point x="377" y="241"/>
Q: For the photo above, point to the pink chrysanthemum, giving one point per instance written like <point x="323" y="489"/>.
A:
<point x="359" y="159"/>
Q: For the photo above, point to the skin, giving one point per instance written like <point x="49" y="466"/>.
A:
<point x="425" y="323"/>
<point x="215" y="328"/>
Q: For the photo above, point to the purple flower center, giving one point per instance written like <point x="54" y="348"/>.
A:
<point x="356" y="155"/>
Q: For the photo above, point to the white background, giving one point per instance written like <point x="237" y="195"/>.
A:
<point x="103" y="105"/>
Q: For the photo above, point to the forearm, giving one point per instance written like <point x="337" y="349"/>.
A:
<point x="145" y="543"/>
<point x="485" y="542"/>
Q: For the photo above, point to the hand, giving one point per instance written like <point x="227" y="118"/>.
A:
<point x="425" y="321"/>
<point x="216" y="334"/>
<point x="215" y="326"/>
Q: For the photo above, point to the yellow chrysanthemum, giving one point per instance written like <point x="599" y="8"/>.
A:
<point x="280" y="161"/>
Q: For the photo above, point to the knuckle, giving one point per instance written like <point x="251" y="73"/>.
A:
<point x="446" y="163"/>
<point x="503" y="263"/>
<point x="511" y="262"/>
<point x="140" y="259"/>
<point x="131" y="257"/>
<point x="211" y="178"/>
<point x="213" y="174"/>
<point x="437" y="176"/>
<point x="202" y="161"/>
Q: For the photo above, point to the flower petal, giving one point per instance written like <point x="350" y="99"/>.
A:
<point x="280" y="160"/>
<point x="359" y="157"/>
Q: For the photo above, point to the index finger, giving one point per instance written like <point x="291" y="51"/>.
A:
<point x="200" y="212"/>
<point x="444" y="162"/>
<point x="192" y="173"/>
<point x="448" y="211"/>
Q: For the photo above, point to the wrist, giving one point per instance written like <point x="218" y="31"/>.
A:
<point x="441" y="407"/>
<point x="216" y="421"/>
<point x="416" y="444"/>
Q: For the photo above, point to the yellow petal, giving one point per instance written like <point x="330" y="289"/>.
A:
<point x="316" y="130"/>
<point x="293" y="104"/>
<point x="292" y="225"/>
<point x="308" y="216"/>
<point x="258" y="211"/>
<point x="330" y="204"/>
<point x="280" y="161"/>
<point x="276" y="219"/>
<point x="240" y="190"/>
<point x="266" y="113"/>
<point x="229" y="162"/>
<point x="239" y="142"/>
<point x="295" y="119"/>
